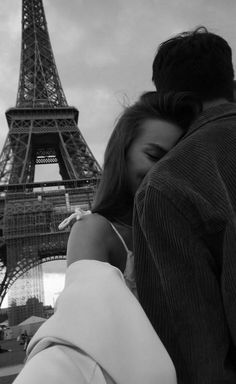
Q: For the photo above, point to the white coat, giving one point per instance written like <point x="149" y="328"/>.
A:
<point x="99" y="334"/>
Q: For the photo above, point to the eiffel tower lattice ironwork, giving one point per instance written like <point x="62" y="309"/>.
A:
<point x="42" y="130"/>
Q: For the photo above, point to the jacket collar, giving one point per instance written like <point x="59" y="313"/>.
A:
<point x="211" y="114"/>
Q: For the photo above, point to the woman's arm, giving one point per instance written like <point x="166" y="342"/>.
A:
<point x="89" y="239"/>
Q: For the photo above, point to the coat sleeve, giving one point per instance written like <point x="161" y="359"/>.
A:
<point x="99" y="331"/>
<point x="179" y="288"/>
<point x="60" y="364"/>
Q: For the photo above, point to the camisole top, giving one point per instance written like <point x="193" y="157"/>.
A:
<point x="129" y="272"/>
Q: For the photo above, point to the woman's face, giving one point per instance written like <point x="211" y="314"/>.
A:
<point x="155" y="139"/>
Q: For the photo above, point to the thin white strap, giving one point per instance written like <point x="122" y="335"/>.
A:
<point x="120" y="237"/>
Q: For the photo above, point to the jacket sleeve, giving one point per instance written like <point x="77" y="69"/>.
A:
<point x="228" y="278"/>
<point x="60" y="364"/>
<point x="181" y="295"/>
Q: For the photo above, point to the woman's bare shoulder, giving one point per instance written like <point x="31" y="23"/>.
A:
<point x="93" y="224"/>
<point x="89" y="239"/>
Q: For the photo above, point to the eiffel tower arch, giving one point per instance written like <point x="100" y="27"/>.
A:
<point x="42" y="130"/>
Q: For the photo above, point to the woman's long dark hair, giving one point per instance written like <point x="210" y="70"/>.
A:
<point x="113" y="198"/>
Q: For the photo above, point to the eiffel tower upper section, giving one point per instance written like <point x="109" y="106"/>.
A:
<point x="39" y="84"/>
<point x="42" y="127"/>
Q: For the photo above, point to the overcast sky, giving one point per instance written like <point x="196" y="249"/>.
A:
<point x="104" y="51"/>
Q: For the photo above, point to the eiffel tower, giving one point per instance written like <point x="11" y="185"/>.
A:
<point x="42" y="130"/>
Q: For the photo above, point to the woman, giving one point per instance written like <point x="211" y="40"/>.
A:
<point x="99" y="333"/>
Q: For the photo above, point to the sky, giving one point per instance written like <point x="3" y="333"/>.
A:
<point x="104" y="51"/>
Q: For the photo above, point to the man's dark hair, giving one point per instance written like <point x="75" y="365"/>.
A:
<point x="196" y="61"/>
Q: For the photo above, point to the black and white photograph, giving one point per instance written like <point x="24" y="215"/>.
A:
<point x="117" y="192"/>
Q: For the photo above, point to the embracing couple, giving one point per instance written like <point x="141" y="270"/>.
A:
<point x="150" y="292"/>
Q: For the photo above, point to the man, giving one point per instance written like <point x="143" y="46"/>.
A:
<point x="185" y="217"/>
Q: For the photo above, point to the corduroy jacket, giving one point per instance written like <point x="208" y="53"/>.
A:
<point x="185" y="249"/>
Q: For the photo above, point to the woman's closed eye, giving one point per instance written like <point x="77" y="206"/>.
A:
<point x="153" y="157"/>
<point x="155" y="152"/>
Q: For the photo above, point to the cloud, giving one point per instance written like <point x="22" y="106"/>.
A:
<point x="104" y="51"/>
<point x="98" y="108"/>
<point x="104" y="48"/>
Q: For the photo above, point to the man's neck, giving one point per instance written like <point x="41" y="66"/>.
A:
<point x="213" y="103"/>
